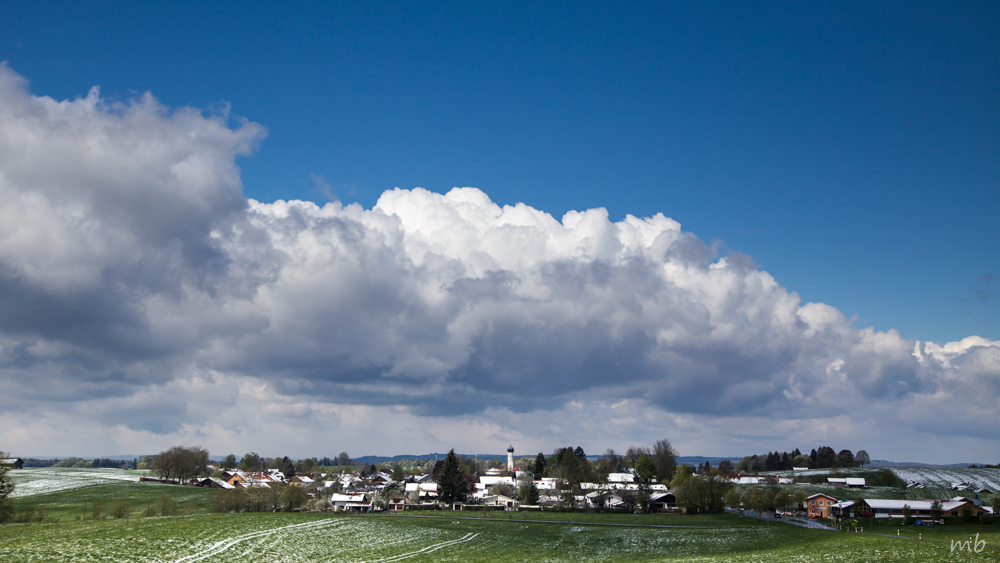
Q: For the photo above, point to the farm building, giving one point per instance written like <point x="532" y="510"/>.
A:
<point x="853" y="482"/>
<point x="12" y="462"/>
<point x="213" y="483"/>
<point x="891" y="508"/>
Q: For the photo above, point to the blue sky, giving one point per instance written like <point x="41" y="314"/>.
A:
<point x="851" y="150"/>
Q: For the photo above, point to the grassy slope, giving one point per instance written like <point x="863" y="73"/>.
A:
<point x="355" y="538"/>
<point x="502" y="536"/>
<point x="716" y="520"/>
<point x="69" y="505"/>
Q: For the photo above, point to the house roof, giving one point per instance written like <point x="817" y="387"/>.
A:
<point x="338" y="497"/>
<point x="817" y="495"/>
<point x="893" y="504"/>
<point x="410" y="487"/>
<point x="221" y="483"/>
<point x="490" y="480"/>
<point x="257" y="484"/>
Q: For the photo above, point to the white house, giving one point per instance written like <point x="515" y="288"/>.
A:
<point x="605" y="499"/>
<point x="351" y="503"/>
<point x="621" y="478"/>
<point x="423" y="490"/>
<point x="501" y="500"/>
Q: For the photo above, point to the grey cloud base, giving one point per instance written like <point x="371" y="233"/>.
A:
<point x="130" y="260"/>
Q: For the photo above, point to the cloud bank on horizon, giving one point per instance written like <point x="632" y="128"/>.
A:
<point x="144" y="300"/>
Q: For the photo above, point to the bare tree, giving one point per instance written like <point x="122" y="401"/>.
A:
<point x="665" y="458"/>
<point x="861" y="458"/>
<point x="633" y="453"/>
<point x="180" y="463"/>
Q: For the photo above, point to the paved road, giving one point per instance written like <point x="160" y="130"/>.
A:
<point x="806" y="523"/>
<point x="800" y="522"/>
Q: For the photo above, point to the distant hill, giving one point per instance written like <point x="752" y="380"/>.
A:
<point x="700" y="460"/>
<point x="381" y="459"/>
<point x="884" y="463"/>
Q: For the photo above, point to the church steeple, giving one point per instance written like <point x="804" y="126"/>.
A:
<point x="510" y="459"/>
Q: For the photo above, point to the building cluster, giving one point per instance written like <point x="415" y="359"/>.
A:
<point x="348" y="492"/>
<point x="420" y="491"/>
<point x="825" y="506"/>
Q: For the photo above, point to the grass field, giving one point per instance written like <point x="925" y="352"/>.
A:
<point x="468" y="537"/>
<point x="33" y="481"/>
<point x="316" y="537"/>
<point x="79" y="503"/>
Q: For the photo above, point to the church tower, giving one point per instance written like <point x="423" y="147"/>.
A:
<point x="510" y="459"/>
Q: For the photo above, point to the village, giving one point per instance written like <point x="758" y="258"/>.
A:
<point x="495" y="485"/>
<point x="499" y="487"/>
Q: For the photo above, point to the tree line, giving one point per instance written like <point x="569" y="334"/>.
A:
<point x="180" y="463"/>
<point x="253" y="462"/>
<point x="824" y="457"/>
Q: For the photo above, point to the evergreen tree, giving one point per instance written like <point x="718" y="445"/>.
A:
<point x="825" y="457"/>
<point x="251" y="462"/>
<point x="528" y="493"/>
<point x="569" y="466"/>
<point x="287" y="468"/>
<point x="452" y="486"/>
<point x="540" y="466"/>
<point x="579" y="454"/>
<point x="771" y="464"/>
<point x="845" y="458"/>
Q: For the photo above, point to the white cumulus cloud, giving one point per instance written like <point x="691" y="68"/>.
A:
<point x="136" y="279"/>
